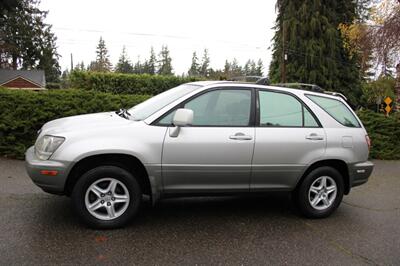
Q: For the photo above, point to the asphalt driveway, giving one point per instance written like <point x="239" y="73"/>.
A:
<point x="38" y="228"/>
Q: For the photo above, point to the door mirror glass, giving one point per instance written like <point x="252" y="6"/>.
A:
<point x="183" y="117"/>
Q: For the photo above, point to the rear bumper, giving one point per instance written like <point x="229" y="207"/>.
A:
<point x="51" y="184"/>
<point x="360" y="172"/>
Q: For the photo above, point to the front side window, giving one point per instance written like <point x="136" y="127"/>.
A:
<point x="283" y="110"/>
<point x="152" y="105"/>
<point x="218" y="108"/>
<point x="336" y="109"/>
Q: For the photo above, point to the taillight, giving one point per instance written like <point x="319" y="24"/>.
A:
<point x="368" y="141"/>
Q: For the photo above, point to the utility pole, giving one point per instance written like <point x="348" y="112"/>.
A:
<point x="284" y="56"/>
<point x="397" y="87"/>
<point x="72" y="63"/>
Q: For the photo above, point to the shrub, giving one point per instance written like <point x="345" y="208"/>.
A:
<point x="384" y="133"/>
<point x="125" y="83"/>
<point x="53" y="85"/>
<point x="24" y="112"/>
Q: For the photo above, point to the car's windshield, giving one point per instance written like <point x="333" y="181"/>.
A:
<point x="152" y="105"/>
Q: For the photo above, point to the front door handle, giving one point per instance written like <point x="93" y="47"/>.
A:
<point x="240" y="136"/>
<point x="314" y="136"/>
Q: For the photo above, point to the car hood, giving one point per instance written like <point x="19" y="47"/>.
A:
<point x="86" y="122"/>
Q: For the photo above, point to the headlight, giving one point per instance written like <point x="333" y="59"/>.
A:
<point x="47" y="145"/>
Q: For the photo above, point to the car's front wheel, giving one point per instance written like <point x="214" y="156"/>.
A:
<point x="106" y="197"/>
<point x="320" y="193"/>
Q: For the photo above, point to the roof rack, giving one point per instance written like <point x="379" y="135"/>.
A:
<point x="311" y="87"/>
<point x="303" y="86"/>
<point x="251" y="79"/>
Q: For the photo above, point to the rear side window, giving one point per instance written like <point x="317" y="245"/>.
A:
<point x="283" y="110"/>
<point x="336" y="109"/>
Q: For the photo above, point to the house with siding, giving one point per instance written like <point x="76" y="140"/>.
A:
<point x="23" y="79"/>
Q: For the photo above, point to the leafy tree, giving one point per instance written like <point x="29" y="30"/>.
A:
<point x="307" y="33"/>
<point x="205" y="64"/>
<point x="102" y="63"/>
<point x="26" y="41"/>
<point x="164" y="62"/>
<point x="194" y="67"/>
<point x="385" y="34"/>
<point x="375" y="91"/>
<point x="124" y="64"/>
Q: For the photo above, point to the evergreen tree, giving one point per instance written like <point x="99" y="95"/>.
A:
<point x="313" y="46"/>
<point x="236" y="70"/>
<point x="164" y="62"/>
<point x="258" y="70"/>
<point x="80" y="66"/>
<point x="151" y="63"/>
<point x="124" y="64"/>
<point x="26" y="41"/>
<point x="102" y="63"/>
<point x="48" y="60"/>
<point x="64" y="80"/>
<point x="194" y="67"/>
<point x="139" y="68"/>
<point x="227" y="68"/>
<point x="205" y="64"/>
<point x="246" y="68"/>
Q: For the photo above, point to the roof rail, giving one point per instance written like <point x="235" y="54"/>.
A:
<point x="251" y="79"/>
<point x="336" y="94"/>
<point x="311" y="87"/>
<point x="304" y="86"/>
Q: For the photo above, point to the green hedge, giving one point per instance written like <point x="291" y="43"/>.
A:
<point x="384" y="133"/>
<point x="22" y="113"/>
<point x="125" y="83"/>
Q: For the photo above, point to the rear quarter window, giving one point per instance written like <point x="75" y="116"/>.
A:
<point x="336" y="109"/>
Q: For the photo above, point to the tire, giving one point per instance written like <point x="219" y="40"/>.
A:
<point x="315" y="201"/>
<point x="113" y="194"/>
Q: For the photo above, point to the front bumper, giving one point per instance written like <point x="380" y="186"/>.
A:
<point x="360" y="172"/>
<point x="51" y="184"/>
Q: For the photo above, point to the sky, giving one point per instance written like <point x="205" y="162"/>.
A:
<point x="228" y="29"/>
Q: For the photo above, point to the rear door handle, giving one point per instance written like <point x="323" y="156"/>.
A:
<point x="240" y="136"/>
<point x="314" y="136"/>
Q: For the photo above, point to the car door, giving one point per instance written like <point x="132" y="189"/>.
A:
<point x="288" y="138"/>
<point x="215" y="153"/>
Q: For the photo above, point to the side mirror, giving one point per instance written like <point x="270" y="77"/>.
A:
<point x="182" y="118"/>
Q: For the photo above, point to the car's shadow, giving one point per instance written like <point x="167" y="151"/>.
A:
<point x="180" y="211"/>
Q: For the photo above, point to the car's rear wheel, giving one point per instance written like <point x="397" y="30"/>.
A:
<point x="320" y="193"/>
<point x="106" y="197"/>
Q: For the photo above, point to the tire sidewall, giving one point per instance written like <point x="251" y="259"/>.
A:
<point x="80" y="188"/>
<point x="302" y="194"/>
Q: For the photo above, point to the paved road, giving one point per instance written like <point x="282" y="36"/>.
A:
<point x="37" y="228"/>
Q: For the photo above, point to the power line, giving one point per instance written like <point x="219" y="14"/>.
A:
<point x="140" y="34"/>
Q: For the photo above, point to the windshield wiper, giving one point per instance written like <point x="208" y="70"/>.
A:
<point x="123" y="113"/>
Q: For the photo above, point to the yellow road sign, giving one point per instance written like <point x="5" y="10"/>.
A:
<point x="388" y="101"/>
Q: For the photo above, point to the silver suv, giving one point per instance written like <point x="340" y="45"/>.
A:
<point x="204" y="138"/>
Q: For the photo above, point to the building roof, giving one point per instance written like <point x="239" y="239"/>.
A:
<point x="35" y="76"/>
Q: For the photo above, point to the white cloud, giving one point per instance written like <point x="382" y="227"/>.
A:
<point x="228" y="29"/>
